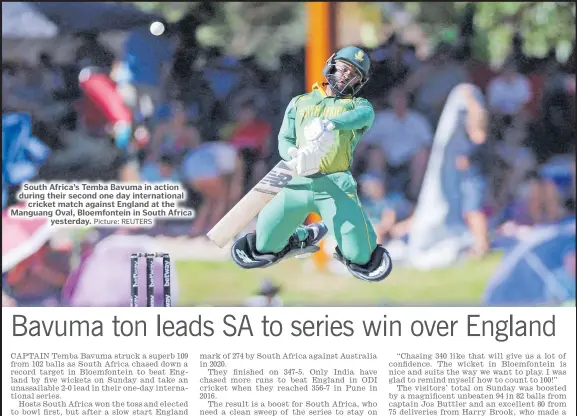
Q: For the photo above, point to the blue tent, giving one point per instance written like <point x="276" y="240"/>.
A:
<point x="538" y="270"/>
<point x="22" y="153"/>
<point x="35" y="20"/>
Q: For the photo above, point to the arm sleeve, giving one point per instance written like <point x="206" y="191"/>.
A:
<point x="287" y="133"/>
<point x="362" y="116"/>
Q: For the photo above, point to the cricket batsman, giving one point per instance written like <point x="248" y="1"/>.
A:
<point x="317" y="139"/>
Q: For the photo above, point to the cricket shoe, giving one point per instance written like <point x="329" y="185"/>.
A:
<point x="245" y="254"/>
<point x="377" y="269"/>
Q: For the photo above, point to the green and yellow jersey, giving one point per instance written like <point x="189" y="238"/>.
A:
<point x="352" y="117"/>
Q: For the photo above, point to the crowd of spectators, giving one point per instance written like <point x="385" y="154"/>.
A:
<point x="208" y="120"/>
<point x="524" y="172"/>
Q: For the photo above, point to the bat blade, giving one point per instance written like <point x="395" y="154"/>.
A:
<point x="251" y="204"/>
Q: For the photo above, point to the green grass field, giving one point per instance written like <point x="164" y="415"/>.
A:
<point x="214" y="283"/>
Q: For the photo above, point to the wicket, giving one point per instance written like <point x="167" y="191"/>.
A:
<point x="134" y="259"/>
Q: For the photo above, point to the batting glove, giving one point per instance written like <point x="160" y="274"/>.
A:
<point x="305" y="161"/>
<point x="318" y="127"/>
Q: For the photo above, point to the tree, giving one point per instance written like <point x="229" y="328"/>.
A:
<point x="268" y="29"/>
<point x="542" y="25"/>
<point x="172" y="11"/>
<point x="265" y="30"/>
<point x="251" y="28"/>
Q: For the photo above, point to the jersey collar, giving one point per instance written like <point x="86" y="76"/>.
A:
<point x="321" y="90"/>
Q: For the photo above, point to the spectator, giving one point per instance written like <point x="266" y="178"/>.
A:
<point x="210" y="170"/>
<point x="513" y="98"/>
<point x="471" y="163"/>
<point x="163" y="171"/>
<point x="384" y="209"/>
<point x="434" y="80"/>
<point x="404" y="137"/>
<point x="509" y="93"/>
<point x="174" y="136"/>
<point x="104" y="113"/>
<point x="509" y="97"/>
<point x="511" y="164"/>
<point x="268" y="295"/>
<point x="552" y="189"/>
<point x="552" y="139"/>
<point x="251" y="136"/>
<point x="456" y="184"/>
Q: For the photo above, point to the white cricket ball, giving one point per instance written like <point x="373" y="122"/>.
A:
<point x="157" y="28"/>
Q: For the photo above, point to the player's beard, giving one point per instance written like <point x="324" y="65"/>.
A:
<point x="344" y="85"/>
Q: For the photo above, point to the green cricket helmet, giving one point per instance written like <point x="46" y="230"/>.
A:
<point x="344" y="83"/>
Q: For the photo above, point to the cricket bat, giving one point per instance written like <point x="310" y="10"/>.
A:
<point x="251" y="204"/>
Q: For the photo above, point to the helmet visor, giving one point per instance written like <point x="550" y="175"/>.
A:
<point x="344" y="78"/>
